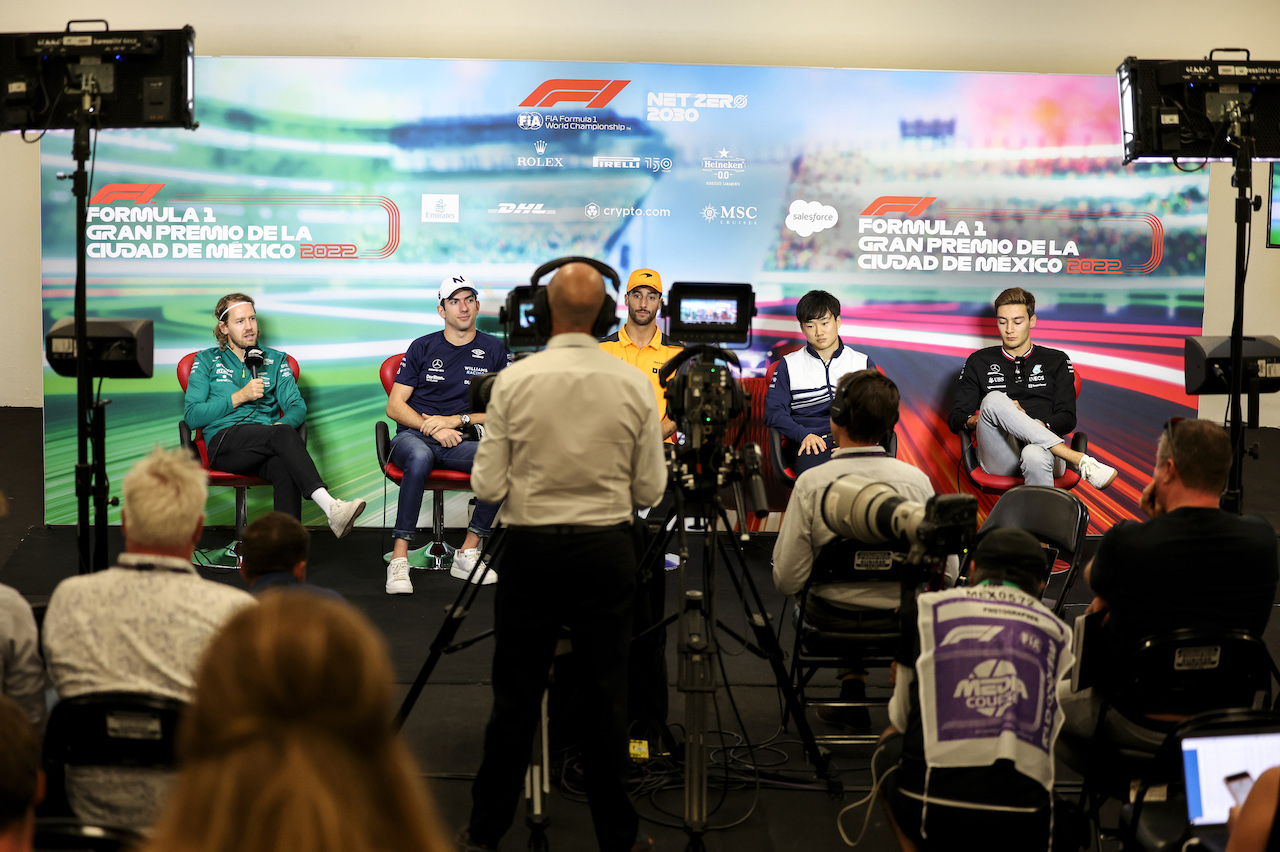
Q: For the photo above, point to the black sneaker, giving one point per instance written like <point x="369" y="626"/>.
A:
<point x="857" y="718"/>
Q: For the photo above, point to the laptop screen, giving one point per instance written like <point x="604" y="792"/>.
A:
<point x="1219" y="770"/>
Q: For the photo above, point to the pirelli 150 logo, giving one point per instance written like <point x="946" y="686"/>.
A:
<point x="125" y="221"/>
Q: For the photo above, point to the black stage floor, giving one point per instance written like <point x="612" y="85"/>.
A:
<point x="446" y="726"/>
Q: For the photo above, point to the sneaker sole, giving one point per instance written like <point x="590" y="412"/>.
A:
<point x="1114" y="474"/>
<point x="351" y="522"/>
<point x="392" y="591"/>
<point x="489" y="577"/>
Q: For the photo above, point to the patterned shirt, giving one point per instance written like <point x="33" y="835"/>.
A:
<point x="22" y="676"/>
<point x="137" y="627"/>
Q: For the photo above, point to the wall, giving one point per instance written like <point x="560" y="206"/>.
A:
<point x="1088" y="37"/>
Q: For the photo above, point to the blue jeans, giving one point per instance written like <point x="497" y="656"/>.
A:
<point x="417" y="455"/>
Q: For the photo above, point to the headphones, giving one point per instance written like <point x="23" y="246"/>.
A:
<point x="605" y="320"/>
<point x="841" y="408"/>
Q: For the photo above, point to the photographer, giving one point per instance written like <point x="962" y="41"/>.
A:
<point x="969" y="755"/>
<point x="572" y="447"/>
<point x="864" y="410"/>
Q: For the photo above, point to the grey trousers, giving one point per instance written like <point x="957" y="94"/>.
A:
<point x="1012" y="443"/>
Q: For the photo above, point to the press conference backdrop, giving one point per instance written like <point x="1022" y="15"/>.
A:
<point x="339" y="191"/>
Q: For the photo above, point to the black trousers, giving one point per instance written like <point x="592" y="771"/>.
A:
<point x="584" y="581"/>
<point x="276" y="453"/>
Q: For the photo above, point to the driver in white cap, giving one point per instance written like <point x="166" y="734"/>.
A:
<point x="430" y="401"/>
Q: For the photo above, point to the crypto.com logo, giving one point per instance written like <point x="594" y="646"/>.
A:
<point x="595" y="94"/>
<point x="138" y="193"/>
<point x="912" y="205"/>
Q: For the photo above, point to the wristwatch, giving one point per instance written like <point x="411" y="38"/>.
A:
<point x="466" y="420"/>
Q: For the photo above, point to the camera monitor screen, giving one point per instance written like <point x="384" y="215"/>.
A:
<point x="710" y="313"/>
<point x="718" y="311"/>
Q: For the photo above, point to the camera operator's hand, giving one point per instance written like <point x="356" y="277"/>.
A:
<point x="668" y="428"/>
<point x="813" y="444"/>
<point x="447" y="437"/>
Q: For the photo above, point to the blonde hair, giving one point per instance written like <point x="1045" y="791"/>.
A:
<point x="220" y="309"/>
<point x="164" y="496"/>
<point x="288" y="743"/>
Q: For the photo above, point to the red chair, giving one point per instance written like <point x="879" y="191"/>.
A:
<point x="992" y="484"/>
<point x="196" y="444"/>
<point x="431" y="556"/>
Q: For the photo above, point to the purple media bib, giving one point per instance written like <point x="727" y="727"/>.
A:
<point x="990" y="661"/>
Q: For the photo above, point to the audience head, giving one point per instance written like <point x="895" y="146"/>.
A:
<point x="274" y="543"/>
<point x="288" y="743"/>
<point x="1011" y="556"/>
<point x="222" y="312"/>
<point x="868" y="406"/>
<point x="21" y="780"/>
<point x="575" y="295"/>
<point x="1201" y="454"/>
<point x="164" y="496"/>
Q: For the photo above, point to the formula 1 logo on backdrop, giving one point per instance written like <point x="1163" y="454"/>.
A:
<point x="912" y="205"/>
<point x="685" y="106"/>
<point x="138" y="193"/>
<point x="594" y="94"/>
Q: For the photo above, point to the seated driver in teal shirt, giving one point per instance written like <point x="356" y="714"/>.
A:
<point x="250" y="424"/>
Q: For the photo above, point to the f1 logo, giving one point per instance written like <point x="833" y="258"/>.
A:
<point x="139" y="193"/>
<point x="594" y="93"/>
<point x="911" y="205"/>
<point x="980" y="632"/>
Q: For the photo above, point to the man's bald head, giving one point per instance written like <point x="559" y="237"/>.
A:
<point x="575" y="295"/>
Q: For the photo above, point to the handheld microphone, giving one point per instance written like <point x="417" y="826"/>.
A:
<point x="253" y="360"/>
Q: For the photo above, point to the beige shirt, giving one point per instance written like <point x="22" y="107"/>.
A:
<point x="571" y="437"/>
<point x="804" y="533"/>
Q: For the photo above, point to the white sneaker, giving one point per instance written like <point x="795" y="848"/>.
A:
<point x="465" y="560"/>
<point x="398" y="577"/>
<point x="343" y="514"/>
<point x="1096" y="473"/>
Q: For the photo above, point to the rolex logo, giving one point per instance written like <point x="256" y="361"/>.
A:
<point x="540" y="146"/>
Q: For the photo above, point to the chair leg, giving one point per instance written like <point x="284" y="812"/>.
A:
<point x="431" y="556"/>
<point x="242" y="512"/>
<point x="439" y="550"/>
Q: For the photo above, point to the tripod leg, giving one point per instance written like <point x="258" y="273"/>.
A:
<point x="757" y="617"/>
<point x="444" y="637"/>
<point x="537" y="780"/>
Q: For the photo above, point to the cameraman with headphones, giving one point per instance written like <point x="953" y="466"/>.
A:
<point x="863" y="411"/>
<point x="572" y="447"/>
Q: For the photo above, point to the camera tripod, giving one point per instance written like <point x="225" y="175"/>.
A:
<point x="698" y="650"/>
